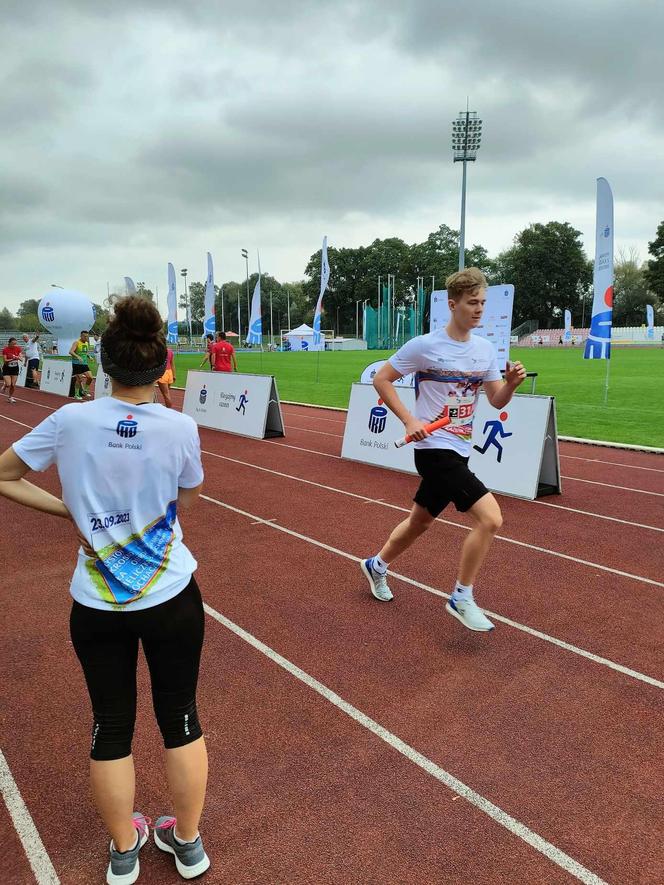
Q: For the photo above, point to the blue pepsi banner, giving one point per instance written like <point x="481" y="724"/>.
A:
<point x="598" y="343"/>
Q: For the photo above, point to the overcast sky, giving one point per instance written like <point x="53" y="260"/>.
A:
<point x="139" y="133"/>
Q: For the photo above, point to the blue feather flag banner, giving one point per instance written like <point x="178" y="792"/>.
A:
<point x="598" y="343"/>
<point x="172" y="303"/>
<point x="255" y="334"/>
<point x="324" y="279"/>
<point x="209" y="326"/>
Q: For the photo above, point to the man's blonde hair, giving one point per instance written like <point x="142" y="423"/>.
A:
<point x="464" y="282"/>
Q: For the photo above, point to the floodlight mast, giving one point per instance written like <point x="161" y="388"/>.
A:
<point x="466" y="138"/>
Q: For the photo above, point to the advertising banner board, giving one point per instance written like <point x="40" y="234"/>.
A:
<point x="244" y="404"/>
<point x="514" y="450"/>
<point x="56" y="376"/>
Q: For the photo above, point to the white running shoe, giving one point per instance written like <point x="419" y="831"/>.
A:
<point x="11" y="399"/>
<point x="377" y="582"/>
<point x="470" y="614"/>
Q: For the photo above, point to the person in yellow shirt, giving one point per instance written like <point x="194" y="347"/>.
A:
<point x="80" y="352"/>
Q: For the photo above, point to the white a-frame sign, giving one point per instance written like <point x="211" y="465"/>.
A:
<point x="515" y="449"/>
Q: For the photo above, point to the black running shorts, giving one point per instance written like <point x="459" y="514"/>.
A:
<point x="446" y="477"/>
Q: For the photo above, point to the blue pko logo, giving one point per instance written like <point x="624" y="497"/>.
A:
<point x="127" y="428"/>
<point x="377" y="419"/>
<point x="202" y="396"/>
<point x="48" y="314"/>
<point x="607" y="231"/>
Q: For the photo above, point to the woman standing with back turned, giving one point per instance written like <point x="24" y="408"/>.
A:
<point x="133" y="580"/>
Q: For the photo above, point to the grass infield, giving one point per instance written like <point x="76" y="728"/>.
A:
<point x="634" y="412"/>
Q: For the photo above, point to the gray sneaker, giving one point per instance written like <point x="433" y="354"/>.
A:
<point x="377" y="582"/>
<point x="190" y="859"/>
<point x="124" y="866"/>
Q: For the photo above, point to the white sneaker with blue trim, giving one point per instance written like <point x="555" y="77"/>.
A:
<point x="377" y="582"/>
<point x="470" y="614"/>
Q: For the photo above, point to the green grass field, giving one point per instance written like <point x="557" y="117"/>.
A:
<point x="634" y="413"/>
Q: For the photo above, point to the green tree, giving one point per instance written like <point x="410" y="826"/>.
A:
<point x="630" y="291"/>
<point x="28" y="308"/>
<point x="549" y="270"/>
<point x="101" y="318"/>
<point x="196" y="301"/>
<point x="7" y="320"/>
<point x="654" y="272"/>
<point x="29" y="323"/>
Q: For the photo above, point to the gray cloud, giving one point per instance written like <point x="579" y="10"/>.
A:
<point x="135" y="134"/>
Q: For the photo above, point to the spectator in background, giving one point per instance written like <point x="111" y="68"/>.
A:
<point x="223" y="355"/>
<point x="208" y="356"/>
<point x="31" y="355"/>
<point x="11" y="355"/>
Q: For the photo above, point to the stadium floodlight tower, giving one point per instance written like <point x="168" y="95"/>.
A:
<point x="466" y="137"/>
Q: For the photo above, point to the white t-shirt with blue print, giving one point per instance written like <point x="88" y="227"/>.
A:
<point x="120" y="467"/>
<point x="448" y="378"/>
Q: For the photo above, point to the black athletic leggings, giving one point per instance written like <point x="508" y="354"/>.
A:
<point x="106" y="643"/>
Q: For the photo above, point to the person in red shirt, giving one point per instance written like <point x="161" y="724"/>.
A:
<point x="222" y="354"/>
<point x="11" y="356"/>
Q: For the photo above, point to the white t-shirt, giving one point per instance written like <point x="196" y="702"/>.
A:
<point x="31" y="350"/>
<point x="120" y="468"/>
<point x="448" y="378"/>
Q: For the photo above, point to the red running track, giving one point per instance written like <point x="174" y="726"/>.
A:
<point x="555" y="718"/>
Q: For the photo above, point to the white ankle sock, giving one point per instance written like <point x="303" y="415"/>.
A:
<point x="379" y="565"/>
<point x="185" y="841"/>
<point x="133" y="847"/>
<point x="462" y="591"/>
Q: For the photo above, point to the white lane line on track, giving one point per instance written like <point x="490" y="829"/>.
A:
<point x="25" y="827"/>
<point x="338" y="421"/>
<point x="338" y="457"/>
<point x="638" y="525"/>
<point x="572" y="478"/>
<point x="610" y="485"/>
<point x="448" y="522"/>
<point x="613" y="463"/>
<point x="536" y="501"/>
<point x="537" y="634"/>
<point x="462" y="790"/>
<point x="300" y="449"/>
<point x="369" y="499"/>
<point x="319" y="432"/>
<point x="39" y="405"/>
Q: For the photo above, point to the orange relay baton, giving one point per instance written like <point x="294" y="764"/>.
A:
<point x="435" y="425"/>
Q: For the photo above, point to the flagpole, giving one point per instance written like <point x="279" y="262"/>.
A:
<point x="606" y="382"/>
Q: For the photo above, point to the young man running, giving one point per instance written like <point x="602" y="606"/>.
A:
<point x="450" y="366"/>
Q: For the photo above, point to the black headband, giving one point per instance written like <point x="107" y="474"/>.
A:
<point x="130" y="377"/>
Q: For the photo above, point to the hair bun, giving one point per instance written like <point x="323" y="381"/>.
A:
<point x="138" y="319"/>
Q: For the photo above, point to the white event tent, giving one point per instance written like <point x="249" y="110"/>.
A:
<point x="302" y="338"/>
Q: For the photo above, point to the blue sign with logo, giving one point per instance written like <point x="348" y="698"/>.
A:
<point x="377" y="419"/>
<point x="127" y="428"/>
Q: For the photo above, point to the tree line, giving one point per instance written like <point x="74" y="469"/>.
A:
<point x="546" y="263"/>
